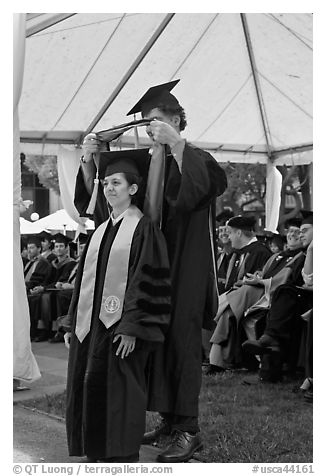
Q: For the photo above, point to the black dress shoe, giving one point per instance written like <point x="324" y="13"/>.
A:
<point x="182" y="448"/>
<point x="163" y="428"/>
<point x="264" y="345"/>
<point x="214" y="369"/>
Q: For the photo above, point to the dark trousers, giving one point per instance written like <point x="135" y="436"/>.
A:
<point x="181" y="422"/>
<point x="34" y="304"/>
<point x="63" y="298"/>
<point x="288" y="303"/>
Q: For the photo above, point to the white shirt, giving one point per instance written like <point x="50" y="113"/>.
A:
<point x="119" y="218"/>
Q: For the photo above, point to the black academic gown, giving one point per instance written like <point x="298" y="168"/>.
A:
<point x="188" y="201"/>
<point x="106" y="395"/>
<point x="254" y="256"/>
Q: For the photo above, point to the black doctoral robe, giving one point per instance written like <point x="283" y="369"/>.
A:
<point x="107" y="395"/>
<point x="254" y="257"/>
<point x="188" y="205"/>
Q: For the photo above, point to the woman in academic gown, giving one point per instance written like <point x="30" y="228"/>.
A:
<point x="120" y="312"/>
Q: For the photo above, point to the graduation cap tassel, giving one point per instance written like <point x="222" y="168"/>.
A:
<point x="92" y="203"/>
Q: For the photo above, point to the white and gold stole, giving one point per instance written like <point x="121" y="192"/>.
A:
<point x="116" y="274"/>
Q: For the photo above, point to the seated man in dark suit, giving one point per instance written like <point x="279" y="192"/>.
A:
<point x="45" y="295"/>
<point x="37" y="269"/>
<point x="36" y="273"/>
<point x="288" y="303"/>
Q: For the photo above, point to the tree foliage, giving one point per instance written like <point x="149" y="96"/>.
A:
<point x="247" y="186"/>
<point x="46" y="169"/>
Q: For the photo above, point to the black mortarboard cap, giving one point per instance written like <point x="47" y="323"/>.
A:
<point x="296" y="221"/>
<point x="45" y="235"/>
<point x="60" y="238"/>
<point x="242" y="223"/>
<point x="135" y="161"/>
<point x="224" y="216"/>
<point x="156" y="96"/>
<point x="307" y="217"/>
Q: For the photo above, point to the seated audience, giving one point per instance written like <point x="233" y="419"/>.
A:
<point x="288" y="303"/>
<point x="45" y="312"/>
<point x="254" y="292"/>
<point x="66" y="286"/>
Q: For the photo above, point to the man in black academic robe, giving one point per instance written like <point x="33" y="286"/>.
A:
<point x="36" y="273"/>
<point x="192" y="181"/>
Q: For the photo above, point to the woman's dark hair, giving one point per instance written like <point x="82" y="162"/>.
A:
<point x="131" y="179"/>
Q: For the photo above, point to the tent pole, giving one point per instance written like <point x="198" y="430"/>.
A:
<point x="35" y="25"/>
<point x="257" y="84"/>
<point x="130" y="72"/>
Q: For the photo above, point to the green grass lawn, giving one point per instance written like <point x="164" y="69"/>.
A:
<point x="239" y="423"/>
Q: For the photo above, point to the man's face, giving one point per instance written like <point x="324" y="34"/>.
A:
<point x="235" y="237"/>
<point x="60" y="249"/>
<point x="306" y="234"/>
<point x="32" y="250"/>
<point x="157" y="114"/>
<point x="293" y="237"/>
<point x="223" y="235"/>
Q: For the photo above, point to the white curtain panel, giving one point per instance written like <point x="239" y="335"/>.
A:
<point x="68" y="164"/>
<point x="273" y="197"/>
<point x="24" y="364"/>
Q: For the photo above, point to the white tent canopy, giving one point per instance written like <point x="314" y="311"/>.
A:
<point x="57" y="221"/>
<point x="245" y="79"/>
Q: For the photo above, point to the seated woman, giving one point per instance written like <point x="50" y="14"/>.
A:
<point x="120" y="311"/>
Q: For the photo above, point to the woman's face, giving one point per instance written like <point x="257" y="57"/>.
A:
<point x="117" y="190"/>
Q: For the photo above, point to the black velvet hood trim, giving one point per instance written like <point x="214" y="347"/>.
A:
<point x="154" y="290"/>
<point x="154" y="309"/>
<point x="158" y="273"/>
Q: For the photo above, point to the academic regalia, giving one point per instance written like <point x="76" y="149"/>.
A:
<point x="280" y="268"/>
<point x="176" y="378"/>
<point x="248" y="259"/>
<point x="222" y="264"/>
<point x="40" y="270"/>
<point x="106" y="395"/>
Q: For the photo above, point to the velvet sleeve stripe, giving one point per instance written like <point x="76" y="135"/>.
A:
<point x="152" y="308"/>
<point x="155" y="290"/>
<point x="156" y="273"/>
